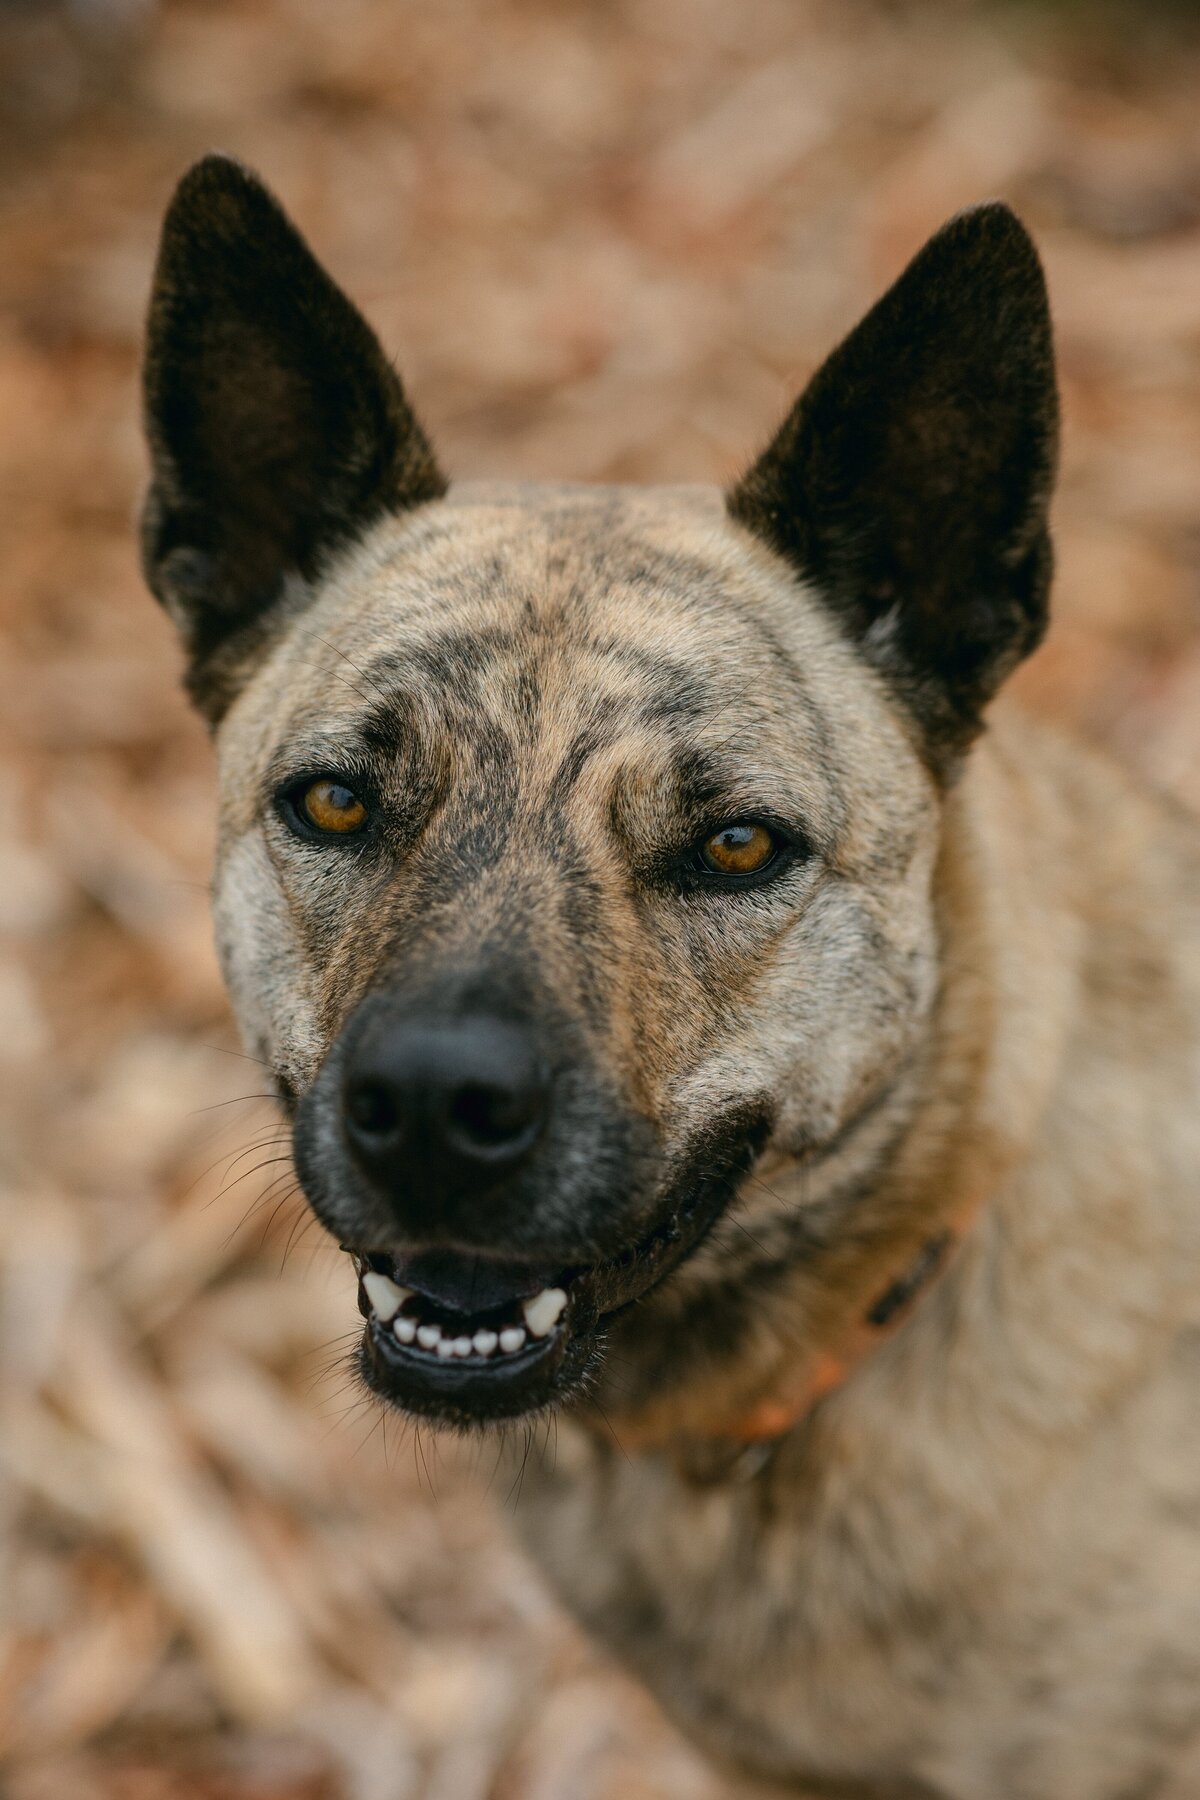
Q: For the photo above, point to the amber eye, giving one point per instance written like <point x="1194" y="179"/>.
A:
<point x="330" y="806"/>
<point x="739" y="849"/>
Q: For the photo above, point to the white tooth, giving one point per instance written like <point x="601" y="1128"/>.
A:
<point x="485" y="1342"/>
<point x="543" y="1312"/>
<point x="385" y="1297"/>
<point x="511" y="1338"/>
<point x="428" y="1336"/>
<point x="445" y="1347"/>
<point x="405" y="1329"/>
<point x="462" y="1346"/>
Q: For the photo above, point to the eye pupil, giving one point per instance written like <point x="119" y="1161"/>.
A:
<point x="331" y="806"/>
<point x="739" y="849"/>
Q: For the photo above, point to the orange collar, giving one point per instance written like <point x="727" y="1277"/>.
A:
<point x="771" y="1418"/>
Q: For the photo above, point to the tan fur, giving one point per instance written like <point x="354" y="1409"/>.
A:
<point x="974" y="1574"/>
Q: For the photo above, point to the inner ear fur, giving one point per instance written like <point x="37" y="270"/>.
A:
<point x="278" y="430"/>
<point x="911" y="481"/>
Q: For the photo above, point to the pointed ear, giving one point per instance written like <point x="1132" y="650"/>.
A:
<point x="277" y="427"/>
<point x="911" y="481"/>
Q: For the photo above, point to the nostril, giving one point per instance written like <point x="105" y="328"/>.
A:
<point x="491" y="1116"/>
<point x="371" y="1108"/>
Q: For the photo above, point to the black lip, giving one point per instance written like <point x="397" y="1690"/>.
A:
<point x="549" y="1371"/>
<point x="458" y="1392"/>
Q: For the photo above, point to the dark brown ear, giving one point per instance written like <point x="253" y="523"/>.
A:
<point x="911" y="481"/>
<point x="277" y="427"/>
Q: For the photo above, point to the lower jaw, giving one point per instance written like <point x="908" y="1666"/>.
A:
<point x="470" y="1395"/>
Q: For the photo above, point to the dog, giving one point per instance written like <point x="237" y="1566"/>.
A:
<point x="695" y="1024"/>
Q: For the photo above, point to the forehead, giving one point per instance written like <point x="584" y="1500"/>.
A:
<point x="654" y="599"/>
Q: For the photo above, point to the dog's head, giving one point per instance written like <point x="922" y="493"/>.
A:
<point x="576" y="844"/>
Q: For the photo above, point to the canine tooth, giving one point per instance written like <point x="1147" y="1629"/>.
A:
<point x="428" y="1336"/>
<point x="485" y="1342"/>
<point x="461" y="1346"/>
<point x="543" y="1312"/>
<point x="405" y="1329"/>
<point x="445" y="1348"/>
<point x="385" y="1296"/>
<point x="511" y="1338"/>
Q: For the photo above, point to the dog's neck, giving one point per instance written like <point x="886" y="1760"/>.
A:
<point x="738" y="1438"/>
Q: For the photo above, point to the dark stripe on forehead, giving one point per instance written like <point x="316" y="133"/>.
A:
<point x="700" y="776"/>
<point x="390" y="726"/>
<point x="664" y="678"/>
<point x="525" y="699"/>
<point x="586" y="744"/>
<point x="451" y="657"/>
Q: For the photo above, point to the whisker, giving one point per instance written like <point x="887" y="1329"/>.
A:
<point x="263" y="1199"/>
<point x="419" y="1451"/>
<point x="358" y="669"/>
<point x="237" y="1100"/>
<point x="275" y="1211"/>
<point x="304" y="1223"/>
<point x="232" y="1158"/>
<point x="224" y="1050"/>
<point x="365" y="1440"/>
<point x="608" y="1426"/>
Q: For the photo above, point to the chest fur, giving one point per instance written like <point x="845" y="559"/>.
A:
<point x="906" y="1615"/>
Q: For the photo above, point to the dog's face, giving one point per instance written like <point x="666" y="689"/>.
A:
<point x="618" y="895"/>
<point x="576" y="845"/>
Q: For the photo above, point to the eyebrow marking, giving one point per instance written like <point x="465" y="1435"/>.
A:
<point x="587" y="743"/>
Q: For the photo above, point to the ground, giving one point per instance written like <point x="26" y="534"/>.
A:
<point x="604" y="240"/>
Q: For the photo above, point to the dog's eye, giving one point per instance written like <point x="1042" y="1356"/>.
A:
<point x="330" y="806"/>
<point x="743" y="848"/>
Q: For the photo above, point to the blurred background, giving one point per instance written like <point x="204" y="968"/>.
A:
<point x="606" y="240"/>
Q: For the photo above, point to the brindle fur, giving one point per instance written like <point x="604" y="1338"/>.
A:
<point x="974" y="1572"/>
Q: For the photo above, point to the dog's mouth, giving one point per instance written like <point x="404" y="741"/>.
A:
<point x="461" y="1306"/>
<point x="455" y="1334"/>
<point x="470" y="1339"/>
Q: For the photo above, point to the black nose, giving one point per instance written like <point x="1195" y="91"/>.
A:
<point x="453" y="1104"/>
